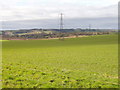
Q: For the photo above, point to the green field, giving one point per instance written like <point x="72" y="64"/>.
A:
<point x="87" y="62"/>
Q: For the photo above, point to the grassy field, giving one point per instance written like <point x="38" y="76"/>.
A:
<point x="88" y="62"/>
<point x="3" y="40"/>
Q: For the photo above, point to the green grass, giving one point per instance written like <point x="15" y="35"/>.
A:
<point x="88" y="62"/>
<point x="3" y="40"/>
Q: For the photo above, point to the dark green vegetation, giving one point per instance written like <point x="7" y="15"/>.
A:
<point x="88" y="62"/>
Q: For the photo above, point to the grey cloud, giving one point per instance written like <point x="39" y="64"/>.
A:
<point x="104" y="22"/>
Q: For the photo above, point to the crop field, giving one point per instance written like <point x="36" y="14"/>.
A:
<point x="87" y="62"/>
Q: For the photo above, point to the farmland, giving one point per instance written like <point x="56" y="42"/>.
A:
<point x="87" y="62"/>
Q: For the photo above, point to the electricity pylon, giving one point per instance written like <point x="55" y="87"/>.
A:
<point x="61" y="27"/>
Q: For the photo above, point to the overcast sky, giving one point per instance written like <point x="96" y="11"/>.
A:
<point x="19" y="14"/>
